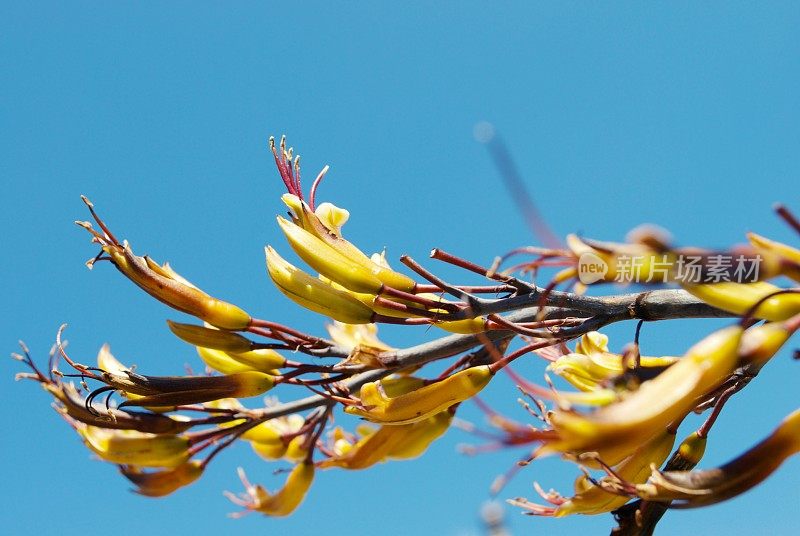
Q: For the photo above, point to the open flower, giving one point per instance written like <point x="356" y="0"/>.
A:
<point x="165" y="481"/>
<point x="281" y="503"/>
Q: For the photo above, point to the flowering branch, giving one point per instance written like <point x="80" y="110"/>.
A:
<point x="621" y="420"/>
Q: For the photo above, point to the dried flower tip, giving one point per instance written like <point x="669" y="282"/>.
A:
<point x="163" y="284"/>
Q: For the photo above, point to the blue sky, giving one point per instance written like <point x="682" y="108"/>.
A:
<point x="679" y="114"/>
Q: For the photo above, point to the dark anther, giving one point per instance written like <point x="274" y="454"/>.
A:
<point x="90" y="399"/>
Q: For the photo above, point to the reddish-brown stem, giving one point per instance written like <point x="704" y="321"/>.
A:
<point x="787" y="216"/>
<point x="425" y="302"/>
<point x="273" y="326"/>
<point x="322" y="381"/>
<point x="705" y="428"/>
<point x="443" y="256"/>
<point x="501" y="323"/>
<point x="313" y="438"/>
<point x="437" y="281"/>
<point x="460" y="362"/>
<point x="409" y="309"/>
<point x="384" y="319"/>
<point x="497" y="365"/>
<point x="475" y="289"/>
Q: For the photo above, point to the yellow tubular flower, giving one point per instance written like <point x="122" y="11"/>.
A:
<point x="266" y="361"/>
<point x="72" y="404"/>
<point x="690" y="489"/>
<point x="165" y="285"/>
<point x="399" y="442"/>
<point x="269" y="431"/>
<point x="788" y="257"/>
<point x="220" y="361"/>
<point x="283" y="502"/>
<point x="761" y="343"/>
<point x="162" y="391"/>
<point x="135" y="448"/>
<point x="320" y="225"/>
<point x="313" y="223"/>
<point x="164" y="482"/>
<point x="210" y="338"/>
<point x="329" y="262"/>
<point x="636" y="469"/>
<point x="314" y="294"/>
<point x="613" y="255"/>
<point x="592" y="365"/>
<point x="590" y="499"/>
<point x="467" y="326"/>
<point x="267" y="438"/>
<point x="656" y="404"/>
<point x="351" y="336"/>
<point x="739" y="298"/>
<point x="262" y="360"/>
<point x="270" y="451"/>
<point x="421" y="435"/>
<point x="423" y="402"/>
<point x="369" y="450"/>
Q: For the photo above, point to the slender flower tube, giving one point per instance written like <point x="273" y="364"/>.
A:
<point x="72" y="404"/>
<point x="162" y="283"/>
<point x="656" y="404"/>
<point x="592" y="365"/>
<point x="135" y="448"/>
<point x="163" y="482"/>
<point x="161" y="391"/>
<point x="691" y="489"/>
<point x="284" y="501"/>
<point x="593" y="499"/>
<point x="739" y="298"/>
<point x="329" y="262"/>
<point x="315" y="294"/>
<point x="788" y="258"/>
<point x="216" y="339"/>
<point x="314" y="223"/>
<point x="421" y="403"/>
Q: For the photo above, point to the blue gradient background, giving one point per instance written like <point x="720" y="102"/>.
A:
<point x="680" y="114"/>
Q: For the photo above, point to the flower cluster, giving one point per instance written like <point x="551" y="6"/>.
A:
<point x="617" y="428"/>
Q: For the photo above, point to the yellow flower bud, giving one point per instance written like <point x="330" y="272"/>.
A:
<point x="312" y="223"/>
<point x="135" y="448"/>
<point x="423" y="402"/>
<point x="283" y="502"/>
<point x="739" y="298"/>
<point x="787" y="256"/>
<point x="164" y="482"/>
<point x="592" y="365"/>
<point x="174" y="292"/>
<point x="656" y="404"/>
<point x="162" y="391"/>
<point x="328" y="261"/>
<point x="216" y="339"/>
<point x="420" y="435"/>
<point x="314" y="294"/>
<point x="220" y="361"/>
